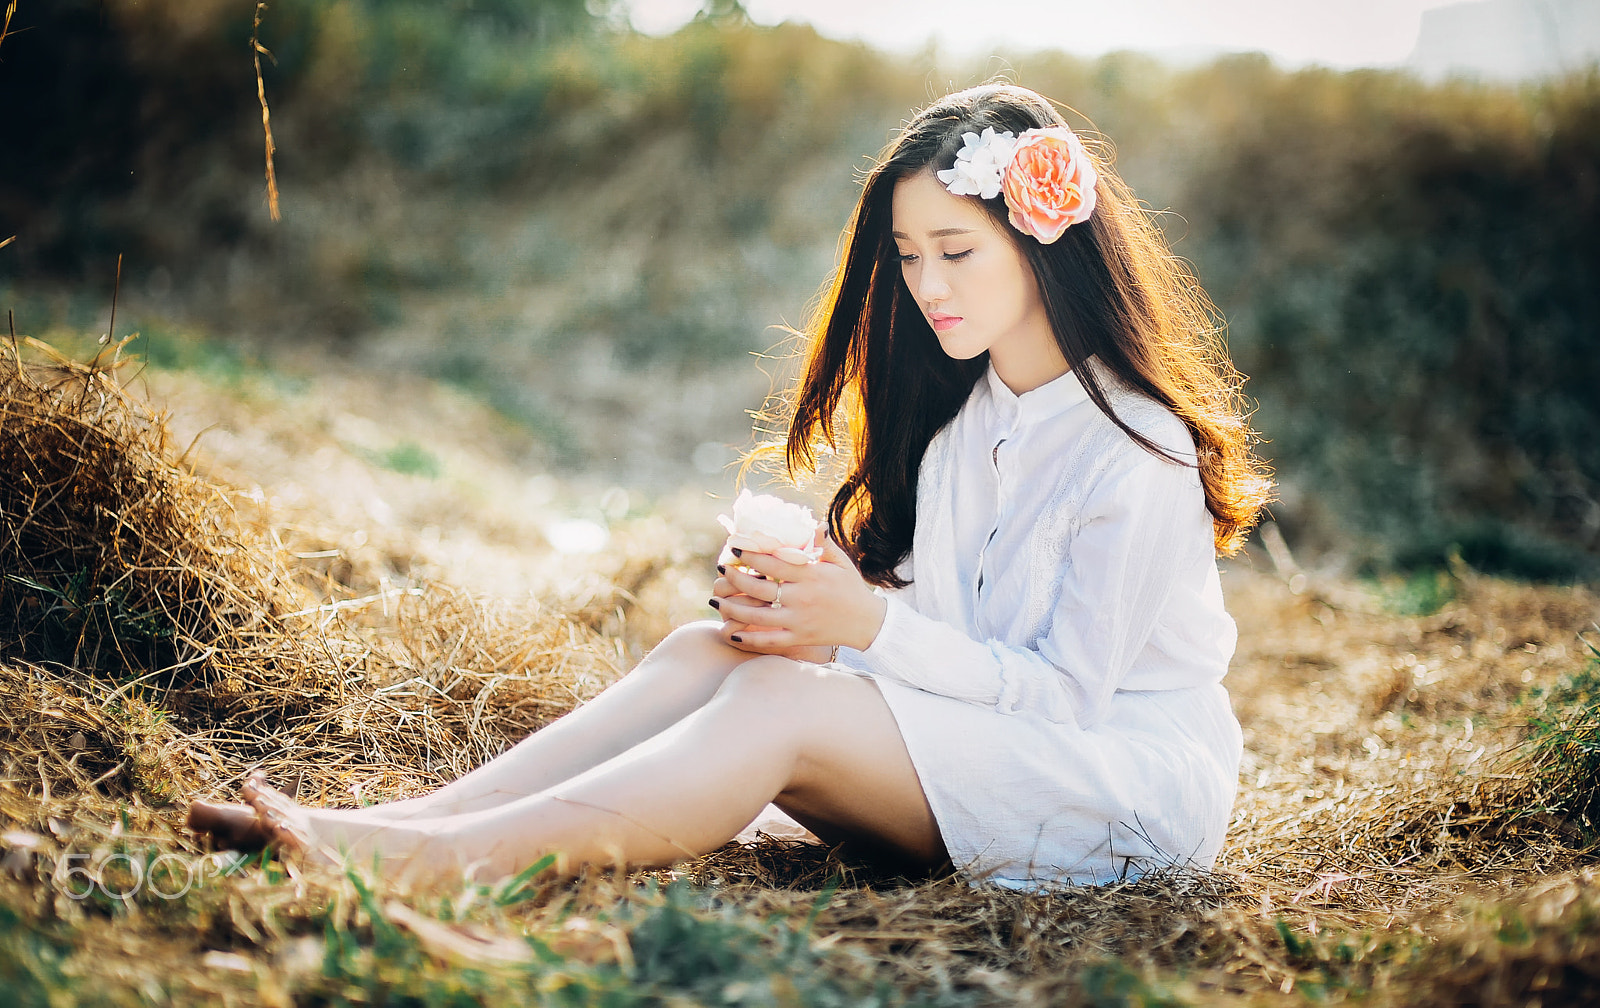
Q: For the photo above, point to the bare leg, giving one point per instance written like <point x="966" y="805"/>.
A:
<point x="822" y="743"/>
<point x="676" y="678"/>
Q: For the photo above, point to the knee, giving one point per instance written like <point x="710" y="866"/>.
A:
<point x="690" y="639"/>
<point x="768" y="680"/>
<point x="693" y="648"/>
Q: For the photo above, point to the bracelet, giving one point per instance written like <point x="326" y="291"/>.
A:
<point x="835" y="656"/>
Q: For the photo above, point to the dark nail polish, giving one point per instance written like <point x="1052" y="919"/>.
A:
<point x="737" y="639"/>
<point x="715" y="604"/>
<point x="738" y="552"/>
<point x="721" y="569"/>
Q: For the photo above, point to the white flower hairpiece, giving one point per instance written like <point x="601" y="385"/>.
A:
<point x="1045" y="174"/>
<point x="980" y="163"/>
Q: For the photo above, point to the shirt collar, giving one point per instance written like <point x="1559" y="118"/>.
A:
<point x="1053" y="397"/>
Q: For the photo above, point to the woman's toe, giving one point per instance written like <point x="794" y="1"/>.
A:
<point x="264" y="797"/>
<point x="254" y="785"/>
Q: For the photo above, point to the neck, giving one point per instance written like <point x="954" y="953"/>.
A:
<point x="1026" y="372"/>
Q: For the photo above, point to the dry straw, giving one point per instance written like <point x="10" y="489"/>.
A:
<point x="1393" y="837"/>
<point x="147" y="590"/>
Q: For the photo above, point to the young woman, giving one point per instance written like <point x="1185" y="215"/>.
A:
<point x="1009" y="656"/>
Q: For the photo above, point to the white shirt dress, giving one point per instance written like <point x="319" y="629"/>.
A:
<point x="1055" y="664"/>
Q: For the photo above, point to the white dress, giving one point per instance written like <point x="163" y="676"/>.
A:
<point x="1055" y="664"/>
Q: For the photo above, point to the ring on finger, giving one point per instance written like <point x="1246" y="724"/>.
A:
<point x="777" y="599"/>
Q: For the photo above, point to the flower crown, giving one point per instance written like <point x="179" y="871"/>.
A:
<point x="1046" y="176"/>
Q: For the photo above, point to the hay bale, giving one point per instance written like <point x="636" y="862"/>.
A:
<point x="118" y="562"/>
<point x="155" y="641"/>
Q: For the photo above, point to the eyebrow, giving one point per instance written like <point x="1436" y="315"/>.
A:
<point x="939" y="233"/>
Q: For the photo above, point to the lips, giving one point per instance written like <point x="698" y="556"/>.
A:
<point x="942" y="322"/>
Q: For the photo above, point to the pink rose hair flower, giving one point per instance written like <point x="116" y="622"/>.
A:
<point x="1045" y="175"/>
<point x="1049" y="185"/>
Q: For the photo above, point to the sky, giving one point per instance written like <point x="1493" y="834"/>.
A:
<point x="1336" y="33"/>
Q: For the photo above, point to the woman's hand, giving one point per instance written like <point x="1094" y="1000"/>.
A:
<point x="822" y="605"/>
<point x="722" y="590"/>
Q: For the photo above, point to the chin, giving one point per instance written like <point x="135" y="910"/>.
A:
<point x="959" y="349"/>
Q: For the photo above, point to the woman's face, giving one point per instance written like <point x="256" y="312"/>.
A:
<point x="972" y="283"/>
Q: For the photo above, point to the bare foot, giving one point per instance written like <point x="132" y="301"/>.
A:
<point x="286" y="824"/>
<point x="330" y="836"/>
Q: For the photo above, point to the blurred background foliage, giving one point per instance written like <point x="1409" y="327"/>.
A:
<point x="593" y="230"/>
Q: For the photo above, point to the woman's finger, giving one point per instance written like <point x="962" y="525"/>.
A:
<point x="771" y="566"/>
<point x="739" y="607"/>
<point x="750" y="637"/>
<point x="717" y="602"/>
<point x="764" y="589"/>
<point x="762" y="641"/>
<point x="731" y="629"/>
<point x="745" y="610"/>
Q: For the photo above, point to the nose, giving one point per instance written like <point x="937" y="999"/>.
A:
<point x="932" y="288"/>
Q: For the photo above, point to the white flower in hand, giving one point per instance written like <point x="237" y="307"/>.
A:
<point x="763" y="523"/>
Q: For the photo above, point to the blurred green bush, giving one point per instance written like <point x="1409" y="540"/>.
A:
<point x="496" y="189"/>
<point x="1410" y="274"/>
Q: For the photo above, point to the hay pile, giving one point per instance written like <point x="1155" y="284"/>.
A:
<point x="1406" y="834"/>
<point x="118" y="562"/>
<point x="156" y="625"/>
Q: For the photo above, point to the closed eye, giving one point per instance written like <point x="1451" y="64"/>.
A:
<point x="911" y="257"/>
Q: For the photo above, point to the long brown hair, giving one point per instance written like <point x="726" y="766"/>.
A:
<point x="876" y="377"/>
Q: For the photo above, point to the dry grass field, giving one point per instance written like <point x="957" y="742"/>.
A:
<point x="343" y="580"/>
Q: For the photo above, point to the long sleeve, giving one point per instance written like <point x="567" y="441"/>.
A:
<point x="1141" y="531"/>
